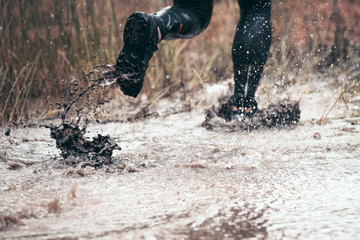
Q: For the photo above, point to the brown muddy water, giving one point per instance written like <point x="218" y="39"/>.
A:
<point x="173" y="179"/>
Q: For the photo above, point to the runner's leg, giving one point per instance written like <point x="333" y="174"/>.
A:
<point x="250" y="49"/>
<point x="143" y="32"/>
<point x="185" y="19"/>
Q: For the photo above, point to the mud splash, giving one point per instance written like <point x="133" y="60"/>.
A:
<point x="281" y="114"/>
<point x="90" y="98"/>
<point x="75" y="149"/>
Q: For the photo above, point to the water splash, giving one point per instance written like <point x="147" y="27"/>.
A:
<point x="70" y="139"/>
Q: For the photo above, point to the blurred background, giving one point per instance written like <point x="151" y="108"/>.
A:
<point x="45" y="45"/>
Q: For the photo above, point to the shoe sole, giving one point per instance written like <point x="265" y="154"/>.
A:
<point x="137" y="30"/>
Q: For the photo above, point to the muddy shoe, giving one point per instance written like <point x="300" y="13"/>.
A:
<point x="236" y="108"/>
<point x="140" y="43"/>
<point x="246" y="107"/>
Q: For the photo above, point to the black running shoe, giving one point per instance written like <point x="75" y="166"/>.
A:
<point x="140" y="43"/>
<point x="236" y="108"/>
<point x="243" y="107"/>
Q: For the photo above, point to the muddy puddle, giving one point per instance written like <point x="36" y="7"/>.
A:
<point x="175" y="179"/>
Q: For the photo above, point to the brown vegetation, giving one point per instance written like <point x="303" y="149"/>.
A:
<point x="73" y="189"/>
<point x="54" y="206"/>
<point x="44" y="45"/>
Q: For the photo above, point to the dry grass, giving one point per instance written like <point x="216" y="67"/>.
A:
<point x="54" y="206"/>
<point x="44" y="45"/>
<point x="72" y="193"/>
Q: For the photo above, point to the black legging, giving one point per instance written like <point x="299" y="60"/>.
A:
<point x="188" y="18"/>
<point x="185" y="19"/>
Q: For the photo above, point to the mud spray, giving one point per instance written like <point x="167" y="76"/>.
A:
<point x="70" y="136"/>
<point x="282" y="114"/>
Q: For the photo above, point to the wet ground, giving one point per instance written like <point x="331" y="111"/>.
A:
<point x="177" y="180"/>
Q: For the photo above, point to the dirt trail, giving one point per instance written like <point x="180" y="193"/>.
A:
<point x="176" y="180"/>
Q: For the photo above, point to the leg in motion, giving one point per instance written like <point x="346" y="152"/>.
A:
<point x="143" y="32"/>
<point x="250" y="51"/>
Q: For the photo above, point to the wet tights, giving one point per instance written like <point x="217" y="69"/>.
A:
<point x="188" y="18"/>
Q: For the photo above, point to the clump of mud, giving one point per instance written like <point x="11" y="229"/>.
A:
<point x="279" y="115"/>
<point x="7" y="132"/>
<point x="76" y="149"/>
